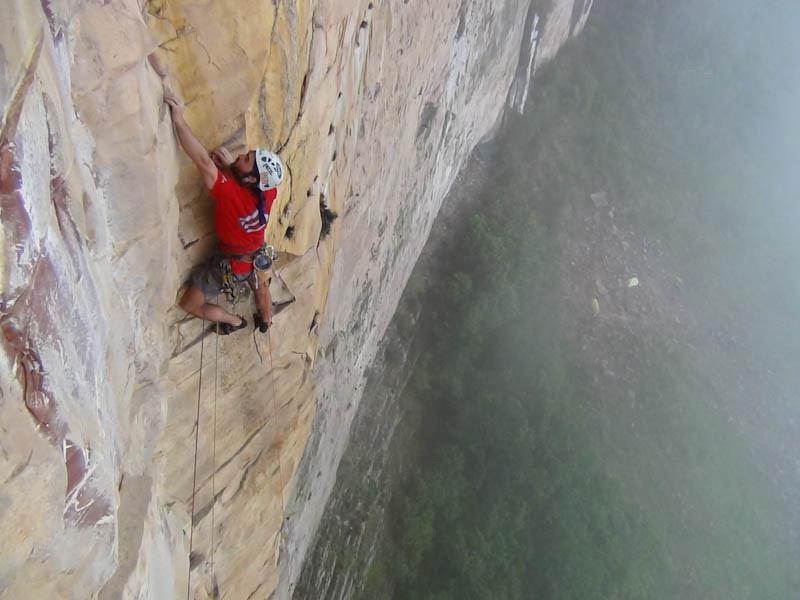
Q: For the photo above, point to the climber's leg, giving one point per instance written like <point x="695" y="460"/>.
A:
<point x="205" y="283"/>
<point x="259" y="282"/>
<point x="194" y="302"/>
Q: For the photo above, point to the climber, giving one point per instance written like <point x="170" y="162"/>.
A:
<point x="243" y="189"/>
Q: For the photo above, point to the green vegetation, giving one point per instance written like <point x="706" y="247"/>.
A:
<point x="526" y="483"/>
<point x="328" y="217"/>
<point x="686" y="112"/>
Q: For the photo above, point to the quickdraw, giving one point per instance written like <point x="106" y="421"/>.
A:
<point x="235" y="287"/>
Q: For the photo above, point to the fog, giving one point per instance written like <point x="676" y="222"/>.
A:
<point x="602" y="339"/>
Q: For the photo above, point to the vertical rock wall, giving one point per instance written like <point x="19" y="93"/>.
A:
<point x="434" y="85"/>
<point x="374" y="107"/>
<point x="88" y="270"/>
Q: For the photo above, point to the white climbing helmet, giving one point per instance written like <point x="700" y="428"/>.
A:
<point x="270" y="169"/>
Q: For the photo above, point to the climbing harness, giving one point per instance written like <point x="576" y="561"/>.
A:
<point x="236" y="287"/>
<point x="261" y="259"/>
<point x="233" y="286"/>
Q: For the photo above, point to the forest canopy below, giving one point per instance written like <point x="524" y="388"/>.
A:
<point x="524" y="480"/>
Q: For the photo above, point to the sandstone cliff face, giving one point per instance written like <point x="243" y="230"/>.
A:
<point x="373" y="106"/>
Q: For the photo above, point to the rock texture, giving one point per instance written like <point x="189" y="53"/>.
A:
<point x="373" y="105"/>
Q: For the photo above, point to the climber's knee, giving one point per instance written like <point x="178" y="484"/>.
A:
<point x="192" y="300"/>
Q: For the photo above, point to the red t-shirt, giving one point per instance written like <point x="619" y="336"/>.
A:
<point x="236" y="218"/>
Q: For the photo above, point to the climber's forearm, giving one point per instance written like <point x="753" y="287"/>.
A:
<point x="263" y="299"/>
<point x="192" y="146"/>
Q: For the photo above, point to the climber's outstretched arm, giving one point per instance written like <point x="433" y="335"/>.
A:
<point x="190" y="144"/>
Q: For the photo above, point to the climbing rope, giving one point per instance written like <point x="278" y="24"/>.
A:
<point x="214" y="462"/>
<point x="274" y="415"/>
<point x="275" y="420"/>
<point x="194" y="476"/>
<point x="258" y="350"/>
<point x="215" y="590"/>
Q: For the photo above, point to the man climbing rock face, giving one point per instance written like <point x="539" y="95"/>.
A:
<point x="243" y="189"/>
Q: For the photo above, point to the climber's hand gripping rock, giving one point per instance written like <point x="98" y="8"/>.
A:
<point x="176" y="107"/>
<point x="190" y="144"/>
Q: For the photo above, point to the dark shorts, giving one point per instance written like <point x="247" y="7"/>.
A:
<point x="208" y="277"/>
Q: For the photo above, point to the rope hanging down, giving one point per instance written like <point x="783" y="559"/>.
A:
<point x="194" y="475"/>
<point x="274" y="406"/>
<point x="215" y="589"/>
<point x="275" y="420"/>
